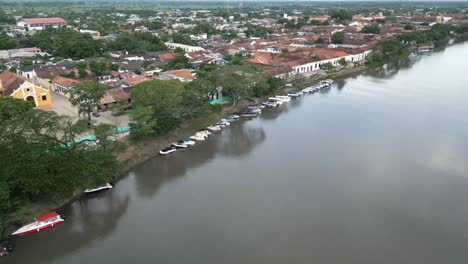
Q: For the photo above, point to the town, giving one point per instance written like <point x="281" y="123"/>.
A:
<point x="47" y="55"/>
<point x="88" y="91"/>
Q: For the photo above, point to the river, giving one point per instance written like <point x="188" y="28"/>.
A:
<point x="373" y="170"/>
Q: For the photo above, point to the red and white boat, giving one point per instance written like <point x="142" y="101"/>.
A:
<point x="43" y="222"/>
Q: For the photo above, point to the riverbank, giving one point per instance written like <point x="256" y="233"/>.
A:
<point x="140" y="151"/>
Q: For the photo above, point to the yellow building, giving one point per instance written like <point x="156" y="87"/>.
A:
<point x="18" y="87"/>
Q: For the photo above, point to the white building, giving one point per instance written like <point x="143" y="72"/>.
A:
<point x="186" y="48"/>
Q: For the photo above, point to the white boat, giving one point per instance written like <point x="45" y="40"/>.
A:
<point x="188" y="141"/>
<point x="180" y="144"/>
<point x="198" y="137"/>
<point x="257" y="106"/>
<point x="42" y="222"/>
<point x="231" y="118"/>
<point x="254" y="109"/>
<point x="167" y="151"/>
<point x="106" y="186"/>
<point x="284" y="98"/>
<point x="249" y="114"/>
<point x="223" y="122"/>
<point x="277" y="100"/>
<point x="306" y="91"/>
<point x="204" y="132"/>
<point x="293" y="95"/>
<point x="270" y="104"/>
<point x="214" y="128"/>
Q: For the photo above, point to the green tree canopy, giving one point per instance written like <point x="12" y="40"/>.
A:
<point x="86" y="96"/>
<point x="157" y="107"/>
<point x="338" y="37"/>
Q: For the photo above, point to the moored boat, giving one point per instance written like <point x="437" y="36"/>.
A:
<point x="223" y="122"/>
<point x="253" y="109"/>
<point x="198" y="137"/>
<point x="106" y="186"/>
<point x="231" y="118"/>
<point x="42" y="222"/>
<point x="214" y="128"/>
<point x="180" y="144"/>
<point x="188" y="141"/>
<point x="284" y="98"/>
<point x="6" y="247"/>
<point x="168" y="150"/>
<point x="249" y="114"/>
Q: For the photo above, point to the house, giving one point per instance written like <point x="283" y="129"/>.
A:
<point x="183" y="75"/>
<point x="62" y="84"/>
<point x="165" y="57"/>
<point x="113" y="96"/>
<point x="41" y="23"/>
<point x="186" y="48"/>
<point x="19" y="87"/>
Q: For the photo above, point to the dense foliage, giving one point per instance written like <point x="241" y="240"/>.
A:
<point x="39" y="162"/>
<point x="371" y="29"/>
<point x="338" y="37"/>
<point x="136" y="43"/>
<point x="342" y="15"/>
<point x="64" y="43"/>
<point x="86" y="96"/>
<point x="157" y="107"/>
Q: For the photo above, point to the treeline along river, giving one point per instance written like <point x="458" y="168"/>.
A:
<point x="373" y="170"/>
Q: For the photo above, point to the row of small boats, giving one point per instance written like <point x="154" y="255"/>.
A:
<point x="52" y="219"/>
<point x="201" y="135"/>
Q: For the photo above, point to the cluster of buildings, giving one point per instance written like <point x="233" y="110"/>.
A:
<point x="283" y="53"/>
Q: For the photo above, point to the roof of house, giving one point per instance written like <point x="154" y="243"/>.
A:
<point x="114" y="95"/>
<point x="135" y="79"/>
<point x="63" y="81"/>
<point x="183" y="73"/>
<point x="49" y="72"/>
<point x="45" y="20"/>
<point x="168" y="56"/>
<point x="9" y="82"/>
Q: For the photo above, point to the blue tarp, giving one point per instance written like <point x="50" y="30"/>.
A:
<point x="117" y="130"/>
<point x="221" y="100"/>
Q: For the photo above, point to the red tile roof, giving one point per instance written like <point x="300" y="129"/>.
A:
<point x="47" y="20"/>
<point x="65" y="82"/>
<point x="168" y="56"/>
<point x="184" y="73"/>
<point x="9" y="82"/>
<point x="114" y="95"/>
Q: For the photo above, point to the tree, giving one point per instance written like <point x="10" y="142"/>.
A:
<point x="343" y="62"/>
<point x="319" y="41"/>
<point x="196" y="96"/>
<point x="179" y="62"/>
<point x="327" y="66"/>
<point x="371" y="29"/>
<point x="82" y="73"/>
<point x="11" y="108"/>
<point x="99" y="68"/>
<point x="284" y="50"/>
<point x="41" y="162"/>
<point x="408" y="27"/>
<point x="342" y="15"/>
<point x="183" y="39"/>
<point x="86" y="96"/>
<point x="338" y="37"/>
<point x="235" y="85"/>
<point x="13" y="70"/>
<point x="157" y="107"/>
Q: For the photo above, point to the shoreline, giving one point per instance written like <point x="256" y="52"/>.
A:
<point x="141" y="151"/>
<point x="138" y="152"/>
